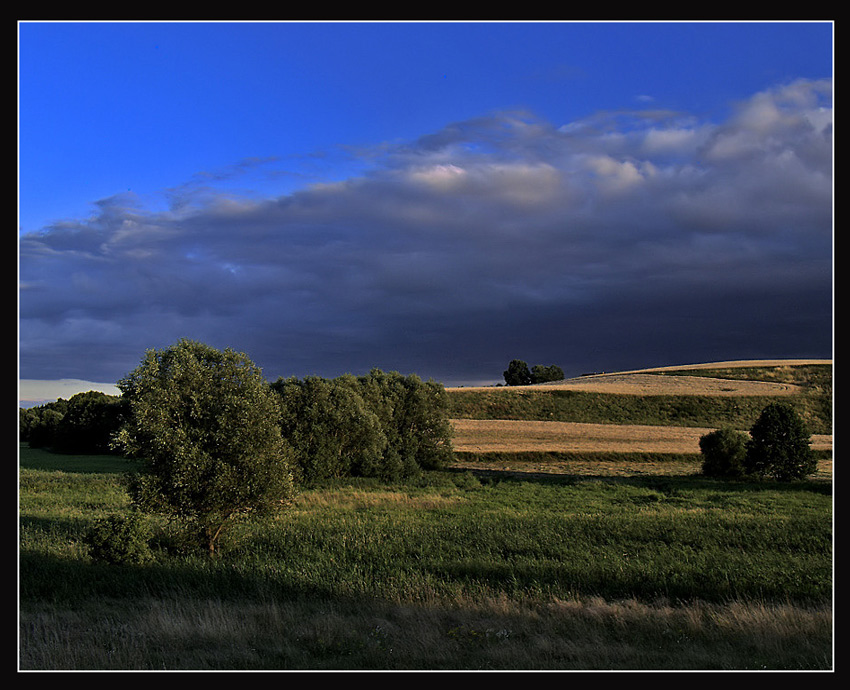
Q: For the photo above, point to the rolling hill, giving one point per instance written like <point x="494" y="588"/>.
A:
<point x="663" y="410"/>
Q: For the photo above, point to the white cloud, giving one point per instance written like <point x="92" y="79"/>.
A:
<point x="440" y="177"/>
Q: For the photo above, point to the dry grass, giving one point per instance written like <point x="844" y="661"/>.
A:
<point x="360" y="499"/>
<point x="668" y="384"/>
<point x="502" y="435"/>
<point x="523" y="466"/>
<point x="499" y="634"/>
<point x="656" y="382"/>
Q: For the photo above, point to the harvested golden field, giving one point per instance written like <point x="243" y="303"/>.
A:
<point x="512" y="436"/>
<point x="669" y="384"/>
<point x="656" y="382"/>
<point x="499" y="438"/>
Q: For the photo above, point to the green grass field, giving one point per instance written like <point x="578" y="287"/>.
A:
<point x="458" y="570"/>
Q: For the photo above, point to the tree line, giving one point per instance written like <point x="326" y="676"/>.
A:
<point x="215" y="442"/>
<point x="83" y="424"/>
<point x="382" y="424"/>
<point x="519" y="374"/>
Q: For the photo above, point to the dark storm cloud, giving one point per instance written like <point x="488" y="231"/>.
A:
<point x="630" y="239"/>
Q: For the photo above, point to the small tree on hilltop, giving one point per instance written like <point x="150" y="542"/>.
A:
<point x="779" y="445"/>
<point x="204" y="424"/>
<point x="542" y="374"/>
<point x="517" y="373"/>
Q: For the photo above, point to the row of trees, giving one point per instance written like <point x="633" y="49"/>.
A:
<point x="777" y="446"/>
<point x="85" y="423"/>
<point x="383" y="425"/>
<point x="518" y="373"/>
<point x="215" y="442"/>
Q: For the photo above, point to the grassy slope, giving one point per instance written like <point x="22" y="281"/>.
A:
<point x="814" y="405"/>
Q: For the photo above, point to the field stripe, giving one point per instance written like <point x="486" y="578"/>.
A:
<point x="491" y="436"/>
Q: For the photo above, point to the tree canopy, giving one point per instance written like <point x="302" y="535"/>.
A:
<point x="780" y="445"/>
<point x="518" y="373"/>
<point x="379" y="425"/>
<point x="204" y="425"/>
<point x="330" y="427"/>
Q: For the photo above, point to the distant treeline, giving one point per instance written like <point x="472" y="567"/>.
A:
<point x="83" y="424"/>
<point x="518" y="373"/>
<point x="381" y="424"/>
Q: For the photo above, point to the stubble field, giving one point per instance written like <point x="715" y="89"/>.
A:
<point x="553" y="445"/>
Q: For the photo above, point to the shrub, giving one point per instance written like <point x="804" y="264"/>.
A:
<point x="779" y="447"/>
<point x="414" y="418"/>
<point x="724" y="453"/>
<point x="120" y="540"/>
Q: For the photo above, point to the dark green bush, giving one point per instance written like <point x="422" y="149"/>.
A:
<point x="724" y="453"/>
<point x="380" y="425"/>
<point x="780" y="445"/>
<point x="120" y="539"/>
<point x="329" y="427"/>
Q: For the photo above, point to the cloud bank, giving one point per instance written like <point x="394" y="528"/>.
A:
<point x="628" y="239"/>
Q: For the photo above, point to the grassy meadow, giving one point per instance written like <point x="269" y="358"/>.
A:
<point x="616" y="562"/>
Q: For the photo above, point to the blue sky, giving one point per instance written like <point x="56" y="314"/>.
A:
<point x="434" y="198"/>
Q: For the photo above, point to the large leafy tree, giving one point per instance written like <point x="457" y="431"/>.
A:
<point x="204" y="424"/>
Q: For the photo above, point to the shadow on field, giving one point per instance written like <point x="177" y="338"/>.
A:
<point x="657" y="482"/>
<point x="52" y="578"/>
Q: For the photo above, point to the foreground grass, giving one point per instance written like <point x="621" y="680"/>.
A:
<point x="459" y="570"/>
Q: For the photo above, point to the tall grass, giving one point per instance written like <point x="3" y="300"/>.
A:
<point x="457" y="570"/>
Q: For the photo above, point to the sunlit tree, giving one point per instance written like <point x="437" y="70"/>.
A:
<point x="204" y="425"/>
